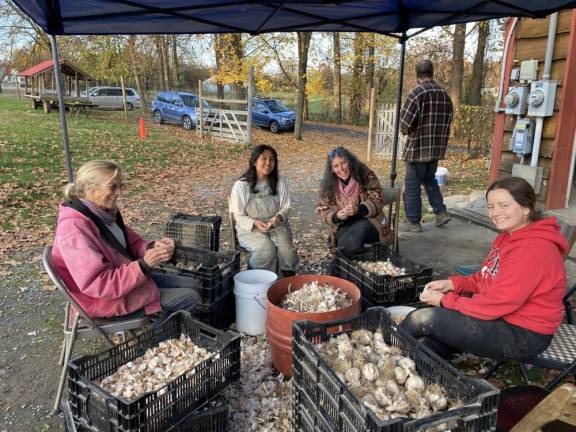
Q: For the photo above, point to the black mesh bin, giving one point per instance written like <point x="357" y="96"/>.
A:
<point x="201" y="232"/>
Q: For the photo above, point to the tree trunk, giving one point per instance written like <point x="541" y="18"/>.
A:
<point x="136" y="72"/>
<point x="474" y="90"/>
<point x="175" y="62"/>
<point x="306" y="108"/>
<point x="303" y="46"/>
<point x="370" y="68"/>
<point x="457" y="76"/>
<point x="337" y="78"/>
<point x="166" y="62"/>
<point x="356" y="85"/>
<point x="217" y="43"/>
<point x="158" y="43"/>
<point x="238" y="52"/>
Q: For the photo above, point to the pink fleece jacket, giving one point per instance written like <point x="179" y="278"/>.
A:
<point x="103" y="281"/>
<point x="521" y="281"/>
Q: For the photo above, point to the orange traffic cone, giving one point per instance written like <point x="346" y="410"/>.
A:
<point x="142" y="128"/>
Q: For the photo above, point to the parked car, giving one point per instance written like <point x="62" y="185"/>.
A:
<point x="273" y="115"/>
<point x="111" y="97"/>
<point x="178" y="108"/>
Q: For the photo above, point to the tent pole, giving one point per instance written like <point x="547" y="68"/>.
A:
<point x="393" y="173"/>
<point x="61" y="107"/>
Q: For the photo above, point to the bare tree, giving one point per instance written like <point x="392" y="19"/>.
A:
<point x="371" y="42"/>
<point x="356" y="84"/>
<point x="337" y="78"/>
<point x="457" y="76"/>
<point x="175" y="61"/>
<point x="474" y="88"/>
<point x="303" y="47"/>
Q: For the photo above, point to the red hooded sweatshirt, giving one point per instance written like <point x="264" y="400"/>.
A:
<point x="521" y="281"/>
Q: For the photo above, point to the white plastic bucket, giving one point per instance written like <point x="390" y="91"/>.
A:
<point x="441" y="174"/>
<point x="250" y="288"/>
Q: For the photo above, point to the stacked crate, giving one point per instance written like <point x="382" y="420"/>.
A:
<point x="382" y="290"/>
<point x="211" y="276"/>
<point x="187" y="403"/>
<point x="322" y="402"/>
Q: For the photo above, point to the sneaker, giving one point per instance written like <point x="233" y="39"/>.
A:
<point x="410" y="227"/>
<point x="442" y="218"/>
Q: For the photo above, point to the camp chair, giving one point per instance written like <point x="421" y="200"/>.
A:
<point x="79" y="325"/>
<point x="393" y="199"/>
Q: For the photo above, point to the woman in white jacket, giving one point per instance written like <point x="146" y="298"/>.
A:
<point x="261" y="205"/>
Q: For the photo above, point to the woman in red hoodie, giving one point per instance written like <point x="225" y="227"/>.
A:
<point x="511" y="308"/>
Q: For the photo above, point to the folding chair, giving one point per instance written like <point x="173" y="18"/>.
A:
<point x="393" y="199"/>
<point x="82" y="325"/>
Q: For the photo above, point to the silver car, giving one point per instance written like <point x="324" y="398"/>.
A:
<point x="111" y="98"/>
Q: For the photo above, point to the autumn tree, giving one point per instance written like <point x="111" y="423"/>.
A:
<point x="303" y="47"/>
<point x="474" y="83"/>
<point x="337" y="93"/>
<point x="356" y="84"/>
<point x="457" y="76"/>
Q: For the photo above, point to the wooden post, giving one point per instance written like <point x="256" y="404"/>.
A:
<point x="250" y="96"/>
<point x="201" y="109"/>
<point x="76" y="84"/>
<point x="18" y="87"/>
<point x="371" y="123"/>
<point x="124" y="98"/>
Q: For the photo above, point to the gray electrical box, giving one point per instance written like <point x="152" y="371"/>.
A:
<point x="523" y="136"/>
<point x="528" y="70"/>
<point x="541" y="98"/>
<point x="515" y="100"/>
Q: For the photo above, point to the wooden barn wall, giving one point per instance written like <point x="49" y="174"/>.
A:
<point x="530" y="43"/>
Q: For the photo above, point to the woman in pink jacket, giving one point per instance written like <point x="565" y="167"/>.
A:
<point x="105" y="264"/>
<point x="512" y="307"/>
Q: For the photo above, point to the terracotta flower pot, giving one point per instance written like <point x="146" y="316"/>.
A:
<point x="279" y="321"/>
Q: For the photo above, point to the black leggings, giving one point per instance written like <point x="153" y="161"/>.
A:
<point x="447" y="332"/>
<point x="354" y="233"/>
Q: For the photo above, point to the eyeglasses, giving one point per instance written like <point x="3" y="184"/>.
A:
<point x="113" y="187"/>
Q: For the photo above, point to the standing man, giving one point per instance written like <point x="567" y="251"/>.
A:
<point x="425" y="118"/>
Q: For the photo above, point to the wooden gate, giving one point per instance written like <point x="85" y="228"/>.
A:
<point x="384" y="133"/>
<point x="224" y="118"/>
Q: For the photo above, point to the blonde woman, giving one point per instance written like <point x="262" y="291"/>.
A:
<point x="105" y="264"/>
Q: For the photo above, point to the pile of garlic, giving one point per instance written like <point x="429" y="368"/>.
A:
<point x="382" y="268"/>
<point x="382" y="379"/>
<point x="316" y="297"/>
<point x="262" y="400"/>
<point x="188" y="265"/>
<point x="153" y="370"/>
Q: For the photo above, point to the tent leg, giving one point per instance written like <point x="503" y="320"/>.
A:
<point x="62" y="107"/>
<point x="393" y="173"/>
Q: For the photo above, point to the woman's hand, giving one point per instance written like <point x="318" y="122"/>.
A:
<point x="431" y="297"/>
<point x="442" y="286"/>
<point x="167" y="243"/>
<point x="157" y="255"/>
<point x="261" y="226"/>
<point x="351" y="209"/>
<point x="275" y="221"/>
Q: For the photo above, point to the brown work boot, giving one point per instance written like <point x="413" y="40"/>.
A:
<point x="410" y="227"/>
<point x="442" y="218"/>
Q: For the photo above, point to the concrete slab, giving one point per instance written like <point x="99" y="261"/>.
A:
<point x="457" y="243"/>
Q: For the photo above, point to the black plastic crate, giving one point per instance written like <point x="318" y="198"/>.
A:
<point x="212" y="278"/>
<point x="165" y="407"/>
<point x="197" y="231"/>
<point x="333" y="407"/>
<point x="221" y="314"/>
<point x="383" y="290"/>
<point x="213" y="417"/>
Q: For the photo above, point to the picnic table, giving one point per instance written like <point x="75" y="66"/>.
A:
<point x="72" y="104"/>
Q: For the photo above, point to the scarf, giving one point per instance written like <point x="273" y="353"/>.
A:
<point x="106" y="217"/>
<point x="348" y="193"/>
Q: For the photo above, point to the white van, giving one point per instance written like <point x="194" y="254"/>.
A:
<point x="111" y="97"/>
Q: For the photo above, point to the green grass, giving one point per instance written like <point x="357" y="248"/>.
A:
<point x="32" y="167"/>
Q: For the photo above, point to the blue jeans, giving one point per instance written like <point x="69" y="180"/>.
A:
<point x="418" y="174"/>
<point x="175" y="299"/>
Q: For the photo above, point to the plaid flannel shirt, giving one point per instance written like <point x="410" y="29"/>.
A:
<point x="425" y="118"/>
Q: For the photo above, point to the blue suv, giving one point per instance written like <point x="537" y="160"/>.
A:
<point x="178" y="108"/>
<point x="272" y="114"/>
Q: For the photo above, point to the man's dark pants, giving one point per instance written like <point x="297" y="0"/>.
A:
<point x="417" y="174"/>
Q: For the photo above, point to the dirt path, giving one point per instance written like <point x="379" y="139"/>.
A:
<point x="31" y="311"/>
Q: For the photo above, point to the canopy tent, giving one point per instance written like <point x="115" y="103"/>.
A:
<point x="390" y="17"/>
